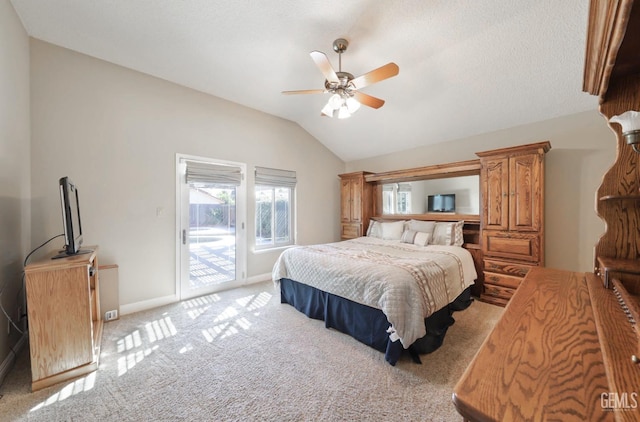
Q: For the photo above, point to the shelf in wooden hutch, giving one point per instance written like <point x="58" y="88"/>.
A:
<point x="617" y="265"/>
<point x="620" y="198"/>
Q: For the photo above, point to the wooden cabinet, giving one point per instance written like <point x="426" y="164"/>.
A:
<point x="355" y="204"/>
<point x="512" y="191"/>
<point x="65" y="325"/>
<point x="511" y="188"/>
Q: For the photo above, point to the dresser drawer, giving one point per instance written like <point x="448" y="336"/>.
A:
<point x="502" y="280"/>
<point x="350" y="231"/>
<point x="505" y="267"/>
<point x="498" y="291"/>
<point x="494" y="300"/>
<point x="521" y="246"/>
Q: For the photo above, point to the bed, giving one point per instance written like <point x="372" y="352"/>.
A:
<point x="395" y="289"/>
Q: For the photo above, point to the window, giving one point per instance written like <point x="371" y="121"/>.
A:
<point x="396" y="198"/>
<point x="275" y="193"/>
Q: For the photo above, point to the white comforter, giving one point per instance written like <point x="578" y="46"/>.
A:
<point x="407" y="282"/>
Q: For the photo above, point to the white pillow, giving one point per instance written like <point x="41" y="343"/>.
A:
<point x="374" y="229"/>
<point x="392" y="230"/>
<point x="448" y="233"/>
<point x="417" y="238"/>
<point x="443" y="234"/>
<point x="422" y="226"/>
<point x="458" y="235"/>
<point x="422" y="239"/>
<point x="408" y="236"/>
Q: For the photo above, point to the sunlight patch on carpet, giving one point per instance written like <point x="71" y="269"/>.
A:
<point x="126" y="363"/>
<point x="199" y="305"/>
<point x="76" y="387"/>
<point x="160" y="329"/>
<point x="253" y="302"/>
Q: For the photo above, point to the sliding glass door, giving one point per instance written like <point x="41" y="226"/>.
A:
<point x="211" y="240"/>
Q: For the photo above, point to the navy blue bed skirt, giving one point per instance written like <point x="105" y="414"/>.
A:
<point x="366" y="324"/>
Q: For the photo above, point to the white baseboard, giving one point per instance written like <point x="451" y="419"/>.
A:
<point x="166" y="300"/>
<point x="8" y="362"/>
<point x="259" y="278"/>
<point x="147" y="304"/>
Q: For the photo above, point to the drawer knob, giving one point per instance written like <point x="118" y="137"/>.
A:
<point x="635" y="359"/>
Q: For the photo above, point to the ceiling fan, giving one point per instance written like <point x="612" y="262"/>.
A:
<point x="346" y="98"/>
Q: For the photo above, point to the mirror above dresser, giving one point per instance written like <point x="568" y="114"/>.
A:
<point x="440" y="192"/>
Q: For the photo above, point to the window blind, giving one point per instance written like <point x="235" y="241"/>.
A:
<point x="198" y="171"/>
<point x="275" y="177"/>
<point x="404" y="187"/>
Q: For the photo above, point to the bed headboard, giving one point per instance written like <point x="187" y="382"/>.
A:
<point x="471" y="229"/>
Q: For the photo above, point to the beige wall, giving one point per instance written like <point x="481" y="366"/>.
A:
<point x="116" y="132"/>
<point x="14" y="169"/>
<point x="582" y="149"/>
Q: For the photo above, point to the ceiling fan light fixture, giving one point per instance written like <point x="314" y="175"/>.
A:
<point x="344" y="113"/>
<point x="352" y="105"/>
<point x="340" y="105"/>
<point x="327" y="110"/>
<point x="343" y="86"/>
<point x="335" y="101"/>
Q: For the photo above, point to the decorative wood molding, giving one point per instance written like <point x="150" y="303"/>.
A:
<point x="608" y="21"/>
<point x="538" y="147"/>
<point x="468" y="218"/>
<point x="438" y="171"/>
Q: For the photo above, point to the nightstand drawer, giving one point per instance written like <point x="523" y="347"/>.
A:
<point x="520" y="246"/>
<point x="350" y="231"/>
<point x="504" y="267"/>
<point x="501" y="280"/>
<point x="498" y="291"/>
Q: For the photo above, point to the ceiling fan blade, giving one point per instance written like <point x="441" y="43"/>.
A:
<point x="305" y="91"/>
<point x="376" y="75"/>
<point x="368" y="100"/>
<point x="324" y="65"/>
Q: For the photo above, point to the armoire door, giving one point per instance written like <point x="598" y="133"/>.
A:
<point x="496" y="193"/>
<point x="525" y="199"/>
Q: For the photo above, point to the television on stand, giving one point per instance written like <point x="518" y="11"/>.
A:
<point x="70" y="203"/>
<point x="441" y="203"/>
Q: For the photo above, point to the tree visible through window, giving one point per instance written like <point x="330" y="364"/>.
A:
<point x="275" y="191"/>
<point x="273" y="216"/>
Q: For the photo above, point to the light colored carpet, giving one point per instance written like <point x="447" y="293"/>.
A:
<point x="241" y="355"/>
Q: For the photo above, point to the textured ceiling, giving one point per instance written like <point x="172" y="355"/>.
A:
<point x="466" y="67"/>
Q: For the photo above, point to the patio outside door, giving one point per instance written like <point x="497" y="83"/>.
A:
<point x="211" y="225"/>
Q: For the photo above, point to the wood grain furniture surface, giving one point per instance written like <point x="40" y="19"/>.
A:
<point x="65" y="325"/>
<point x="355" y="205"/>
<point x="612" y="72"/>
<point x="512" y="192"/>
<point x="561" y="351"/>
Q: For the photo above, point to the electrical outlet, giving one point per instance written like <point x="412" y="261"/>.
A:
<point x="109" y="315"/>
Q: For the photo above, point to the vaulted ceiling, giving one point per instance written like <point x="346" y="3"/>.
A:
<point x="466" y="67"/>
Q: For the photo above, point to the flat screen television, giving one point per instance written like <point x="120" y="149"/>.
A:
<point x="441" y="203"/>
<point x="70" y="203"/>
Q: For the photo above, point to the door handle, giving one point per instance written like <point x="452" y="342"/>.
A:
<point x="184" y="236"/>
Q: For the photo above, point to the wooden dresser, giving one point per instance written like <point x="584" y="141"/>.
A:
<point x="561" y="351"/>
<point x="512" y="191"/>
